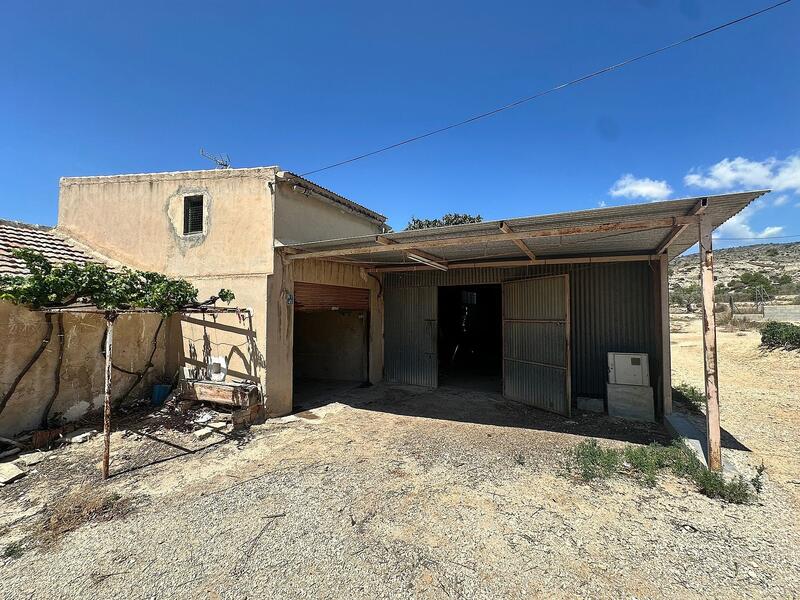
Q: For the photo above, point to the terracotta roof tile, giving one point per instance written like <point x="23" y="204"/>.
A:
<point x="14" y="234"/>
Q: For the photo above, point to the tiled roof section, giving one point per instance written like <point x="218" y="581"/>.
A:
<point x="14" y="234"/>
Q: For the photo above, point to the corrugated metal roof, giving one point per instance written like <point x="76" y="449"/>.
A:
<point x="14" y="234"/>
<point x="720" y="208"/>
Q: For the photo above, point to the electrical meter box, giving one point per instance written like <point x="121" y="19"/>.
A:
<point x="626" y="368"/>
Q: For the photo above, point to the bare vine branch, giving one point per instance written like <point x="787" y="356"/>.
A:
<point x="46" y="340"/>
<point x="57" y="380"/>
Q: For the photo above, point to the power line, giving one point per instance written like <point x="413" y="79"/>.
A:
<point x="548" y="91"/>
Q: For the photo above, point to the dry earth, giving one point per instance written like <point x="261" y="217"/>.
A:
<point x="399" y="492"/>
<point x="759" y="394"/>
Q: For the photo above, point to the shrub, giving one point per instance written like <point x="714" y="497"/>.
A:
<point x="691" y="395"/>
<point x="14" y="550"/>
<point x="684" y="295"/>
<point x="595" y="462"/>
<point x="592" y="461"/>
<point x="775" y="334"/>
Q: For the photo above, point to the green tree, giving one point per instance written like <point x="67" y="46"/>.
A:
<point x="686" y="294"/>
<point x="444" y="221"/>
<point x="756" y="284"/>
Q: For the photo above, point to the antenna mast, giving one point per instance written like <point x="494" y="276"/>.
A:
<point x="222" y="161"/>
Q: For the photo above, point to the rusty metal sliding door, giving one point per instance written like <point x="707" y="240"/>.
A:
<point x="410" y="336"/>
<point x="536" y="354"/>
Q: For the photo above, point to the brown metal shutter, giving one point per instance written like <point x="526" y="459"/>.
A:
<point x="314" y="296"/>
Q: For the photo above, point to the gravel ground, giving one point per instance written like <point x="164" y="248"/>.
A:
<point x="394" y="493"/>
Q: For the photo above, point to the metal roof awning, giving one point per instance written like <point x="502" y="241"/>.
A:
<point x="634" y="230"/>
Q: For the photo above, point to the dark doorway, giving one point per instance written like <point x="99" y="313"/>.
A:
<point x="330" y="352"/>
<point x="470" y="340"/>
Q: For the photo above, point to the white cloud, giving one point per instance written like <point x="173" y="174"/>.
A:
<point x="629" y="186"/>
<point x="780" y="200"/>
<point x="739" y="226"/>
<point x="602" y="204"/>
<point x="779" y="175"/>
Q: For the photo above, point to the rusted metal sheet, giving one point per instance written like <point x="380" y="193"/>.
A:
<point x="535" y="342"/>
<point x="612" y="309"/>
<point x="315" y="296"/>
<point x="410" y="336"/>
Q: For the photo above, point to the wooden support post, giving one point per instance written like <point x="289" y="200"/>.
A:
<point x="110" y="318"/>
<point x="666" y="354"/>
<point x="710" y="346"/>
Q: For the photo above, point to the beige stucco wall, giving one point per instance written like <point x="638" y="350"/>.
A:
<point x="307" y="218"/>
<point x="138" y="221"/>
<point x="280" y="328"/>
<point x="81" y="388"/>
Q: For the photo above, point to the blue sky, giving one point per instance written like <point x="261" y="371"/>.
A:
<point x="92" y="88"/>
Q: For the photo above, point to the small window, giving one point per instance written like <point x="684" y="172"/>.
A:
<point x="636" y="361"/>
<point x="192" y="214"/>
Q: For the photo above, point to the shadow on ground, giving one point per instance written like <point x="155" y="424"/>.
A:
<point x="450" y="403"/>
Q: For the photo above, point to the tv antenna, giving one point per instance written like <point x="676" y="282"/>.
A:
<point x="222" y="161"/>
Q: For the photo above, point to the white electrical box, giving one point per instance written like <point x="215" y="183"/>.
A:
<point x="625" y="368"/>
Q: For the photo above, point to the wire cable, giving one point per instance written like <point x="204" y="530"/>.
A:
<point x="537" y="95"/>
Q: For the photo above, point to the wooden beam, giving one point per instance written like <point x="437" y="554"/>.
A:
<point x="520" y="263"/>
<point x="519" y="243"/>
<point x="496" y="237"/>
<point x="384" y="241"/>
<point x="698" y="209"/>
<point x="710" y="346"/>
<point x="110" y="318"/>
<point x="666" y="351"/>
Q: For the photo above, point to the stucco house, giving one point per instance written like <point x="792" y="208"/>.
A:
<point x="226" y="228"/>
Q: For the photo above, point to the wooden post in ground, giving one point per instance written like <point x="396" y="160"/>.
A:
<point x="666" y="356"/>
<point x="110" y="318"/>
<point x="710" y="346"/>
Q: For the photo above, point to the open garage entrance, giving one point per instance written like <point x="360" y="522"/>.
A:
<point x="470" y="337"/>
<point x="331" y="344"/>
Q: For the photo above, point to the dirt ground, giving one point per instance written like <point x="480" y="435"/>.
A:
<point x="389" y="492"/>
<point x="759" y="394"/>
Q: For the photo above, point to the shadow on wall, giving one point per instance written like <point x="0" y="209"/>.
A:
<point x="229" y="337"/>
<point x="53" y="391"/>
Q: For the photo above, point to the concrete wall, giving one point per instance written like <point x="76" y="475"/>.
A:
<point x="138" y="221"/>
<point x="280" y="329"/>
<point x="331" y="344"/>
<point x="307" y="218"/>
<point x="81" y="387"/>
<point x="782" y="312"/>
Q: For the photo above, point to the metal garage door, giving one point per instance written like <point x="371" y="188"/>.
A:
<point x="315" y="296"/>
<point x="536" y="342"/>
<point x="410" y="334"/>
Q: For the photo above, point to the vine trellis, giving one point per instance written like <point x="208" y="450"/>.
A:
<point x="91" y="288"/>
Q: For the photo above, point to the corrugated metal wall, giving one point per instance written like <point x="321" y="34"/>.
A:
<point x="612" y="309"/>
<point x="410" y="336"/>
<point x="535" y="329"/>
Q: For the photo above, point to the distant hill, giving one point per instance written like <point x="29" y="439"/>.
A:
<point x="773" y="260"/>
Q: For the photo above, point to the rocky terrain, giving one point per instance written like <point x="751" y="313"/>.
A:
<point x="773" y="260"/>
